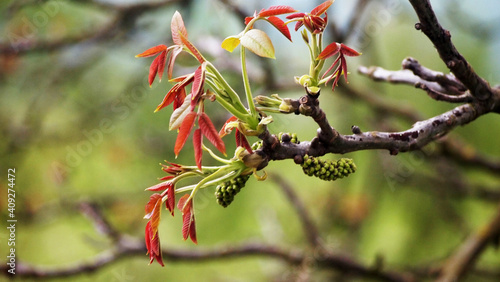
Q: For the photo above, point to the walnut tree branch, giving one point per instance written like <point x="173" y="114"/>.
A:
<point x="441" y="39"/>
<point x="421" y="134"/>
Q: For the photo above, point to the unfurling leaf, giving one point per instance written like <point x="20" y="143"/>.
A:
<point x="258" y="42"/>
<point x="225" y="130"/>
<point x="180" y="113"/>
<point x="209" y="131"/>
<point x="184" y="131"/>
<point x="177" y="27"/>
<point x="281" y="26"/>
<point x="197" y="141"/>
<point x="152" y="51"/>
<point x="230" y="43"/>
<point x="276" y="10"/>
<point x="321" y="8"/>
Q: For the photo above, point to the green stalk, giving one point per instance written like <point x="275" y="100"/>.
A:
<point x="248" y="91"/>
<point x="230" y="91"/>
<point x="229" y="176"/>
<point x="242" y="115"/>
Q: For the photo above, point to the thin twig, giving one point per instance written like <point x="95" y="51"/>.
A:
<point x="441" y="39"/>
<point x="308" y="226"/>
<point x="123" y="18"/>
<point x="467" y="254"/>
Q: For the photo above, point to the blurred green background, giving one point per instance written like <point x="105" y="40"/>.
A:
<point x="77" y="124"/>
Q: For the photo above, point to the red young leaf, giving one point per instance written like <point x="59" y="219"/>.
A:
<point x="161" y="64"/>
<point x="192" y="230"/>
<point x="179" y="98"/>
<point x="184" y="132"/>
<point x="330" y="50"/>
<point x="186" y="208"/>
<point x="281" y="26"/>
<point x="164" y="178"/>
<point x="153" y="245"/>
<point x="181" y="204"/>
<point x="147" y="237"/>
<point x="186" y="224"/>
<point x="298" y="25"/>
<point x="197" y="141"/>
<point x="321" y="8"/>
<point x="153" y="199"/>
<point x="191" y="48"/>
<point x="198" y="83"/>
<point x="169" y="98"/>
<point x="152" y="51"/>
<point x="343" y="64"/>
<point x="159" y="187"/>
<point x="276" y="10"/>
<point x="175" y="91"/>
<point x="245" y="144"/>
<point x="153" y="69"/>
<point x="331" y="67"/>
<point x="348" y="51"/>
<point x="177" y="27"/>
<point x="170" y="202"/>
<point x="237" y="136"/>
<point x="242" y="141"/>
<point x="225" y="131"/>
<point x="296" y="16"/>
<point x="208" y="129"/>
<point x="248" y="19"/>
<point x="156" y="215"/>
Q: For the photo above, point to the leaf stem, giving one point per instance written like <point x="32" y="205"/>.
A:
<point x="248" y="90"/>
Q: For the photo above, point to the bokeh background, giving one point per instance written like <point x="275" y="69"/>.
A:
<point x="77" y="124"/>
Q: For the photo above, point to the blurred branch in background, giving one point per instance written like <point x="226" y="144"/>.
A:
<point x="125" y="246"/>
<point x="451" y="150"/>
<point x="123" y="18"/>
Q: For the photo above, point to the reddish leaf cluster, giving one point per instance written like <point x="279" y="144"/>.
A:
<point x="186" y="116"/>
<point x="206" y="128"/>
<point x="313" y="22"/>
<point x="270" y="15"/>
<point x="153" y="212"/>
<point x="332" y="50"/>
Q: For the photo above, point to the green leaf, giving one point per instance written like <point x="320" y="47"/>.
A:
<point x="258" y="42"/>
<point x="230" y="43"/>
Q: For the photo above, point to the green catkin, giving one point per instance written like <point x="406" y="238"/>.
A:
<point x="225" y="192"/>
<point x="328" y="170"/>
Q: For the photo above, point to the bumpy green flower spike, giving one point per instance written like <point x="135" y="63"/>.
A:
<point x="226" y="191"/>
<point x="328" y="170"/>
